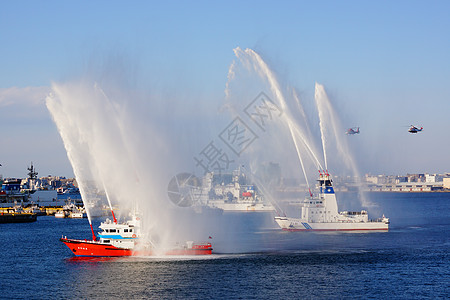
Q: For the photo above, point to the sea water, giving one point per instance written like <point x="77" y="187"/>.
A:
<point x="411" y="261"/>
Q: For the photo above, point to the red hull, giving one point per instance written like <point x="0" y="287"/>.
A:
<point x="94" y="248"/>
<point x="360" y="229"/>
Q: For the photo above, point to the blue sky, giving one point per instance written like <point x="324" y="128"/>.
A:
<point x="385" y="65"/>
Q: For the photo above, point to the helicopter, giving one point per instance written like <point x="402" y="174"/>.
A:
<point x="414" y="129"/>
<point x="352" y="131"/>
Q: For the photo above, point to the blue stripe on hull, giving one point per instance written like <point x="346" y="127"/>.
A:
<point x="115" y="237"/>
<point x="307" y="226"/>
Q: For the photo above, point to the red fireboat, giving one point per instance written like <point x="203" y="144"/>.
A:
<point x="124" y="239"/>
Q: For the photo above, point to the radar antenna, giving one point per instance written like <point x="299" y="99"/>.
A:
<point x="32" y="174"/>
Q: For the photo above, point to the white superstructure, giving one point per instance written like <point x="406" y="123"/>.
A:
<point x="122" y="235"/>
<point x="233" y="196"/>
<point x="321" y="214"/>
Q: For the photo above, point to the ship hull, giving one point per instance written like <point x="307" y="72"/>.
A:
<point x="88" y="248"/>
<point x="292" y="224"/>
<point x="242" y="207"/>
<point x="17" y="217"/>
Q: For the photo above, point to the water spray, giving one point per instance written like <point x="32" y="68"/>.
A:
<point x="261" y="186"/>
<point x="264" y="71"/>
<point x="109" y="202"/>
<point x="329" y="117"/>
<point x="321" y="124"/>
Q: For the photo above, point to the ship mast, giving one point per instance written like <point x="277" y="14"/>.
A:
<point x="32" y="174"/>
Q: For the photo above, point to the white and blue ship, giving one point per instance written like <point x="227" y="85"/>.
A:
<point x="320" y="213"/>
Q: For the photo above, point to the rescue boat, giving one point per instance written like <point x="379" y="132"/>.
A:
<point x="320" y="213"/>
<point x="124" y="239"/>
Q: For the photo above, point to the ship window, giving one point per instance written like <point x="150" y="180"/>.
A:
<point x="106" y="241"/>
<point x="131" y="230"/>
<point x="112" y="230"/>
<point x="125" y="230"/>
